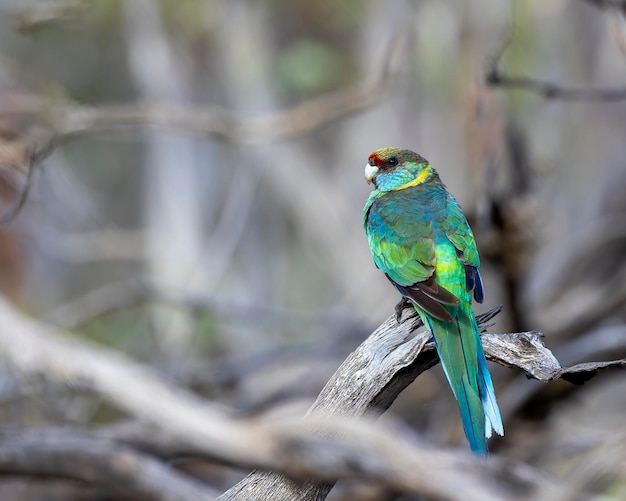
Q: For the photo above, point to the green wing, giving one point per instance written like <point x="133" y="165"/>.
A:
<point x="400" y="228"/>
<point x="453" y="223"/>
<point x="401" y="239"/>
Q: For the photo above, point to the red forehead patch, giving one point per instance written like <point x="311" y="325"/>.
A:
<point x="375" y="159"/>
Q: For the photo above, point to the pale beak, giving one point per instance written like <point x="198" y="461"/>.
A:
<point x="370" y="173"/>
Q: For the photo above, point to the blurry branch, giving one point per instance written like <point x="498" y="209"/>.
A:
<point x="37" y="15"/>
<point x="72" y="119"/>
<point x="505" y="229"/>
<point x="64" y="119"/>
<point x="68" y="119"/>
<point x="607" y="4"/>
<point x="111" y="244"/>
<point x="15" y="209"/>
<point x="495" y="78"/>
<point x="568" y="284"/>
<point x="591" y="305"/>
<point x="230" y="227"/>
<point x="116" y="468"/>
<point x="15" y="156"/>
<point x="224" y="124"/>
<point x="597" y="343"/>
<point x="362" y="451"/>
<point x="550" y="90"/>
<point x="369" y="379"/>
<point x="116" y="296"/>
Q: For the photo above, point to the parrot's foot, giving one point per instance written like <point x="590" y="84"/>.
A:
<point x="402" y="305"/>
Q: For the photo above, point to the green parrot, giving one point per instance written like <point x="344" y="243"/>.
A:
<point x="421" y="241"/>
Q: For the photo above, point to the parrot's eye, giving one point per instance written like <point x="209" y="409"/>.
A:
<point x="392" y="161"/>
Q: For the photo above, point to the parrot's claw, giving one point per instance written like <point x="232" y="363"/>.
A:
<point x="403" y="304"/>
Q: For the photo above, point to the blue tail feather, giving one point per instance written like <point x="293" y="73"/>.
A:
<point x="463" y="361"/>
<point x="493" y="420"/>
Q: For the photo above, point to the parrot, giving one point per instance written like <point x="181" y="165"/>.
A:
<point x="420" y="239"/>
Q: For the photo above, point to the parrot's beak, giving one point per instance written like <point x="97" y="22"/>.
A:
<point x="370" y="173"/>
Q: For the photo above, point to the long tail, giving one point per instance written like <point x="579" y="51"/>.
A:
<point x="463" y="361"/>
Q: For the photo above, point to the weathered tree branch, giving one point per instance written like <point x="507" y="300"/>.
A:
<point x="383" y="365"/>
<point x="315" y="448"/>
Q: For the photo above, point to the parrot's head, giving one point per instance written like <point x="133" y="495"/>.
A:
<point x="392" y="169"/>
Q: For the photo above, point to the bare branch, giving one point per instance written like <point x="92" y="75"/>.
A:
<point x="117" y="468"/>
<point x="314" y="448"/>
<point x="72" y="119"/>
<point x="116" y="296"/>
<point x="551" y="90"/>
<point x="382" y="366"/>
<point x="29" y="161"/>
<point x="224" y="124"/>
<point x="363" y="450"/>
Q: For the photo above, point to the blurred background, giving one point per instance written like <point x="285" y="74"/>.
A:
<point x="196" y="193"/>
